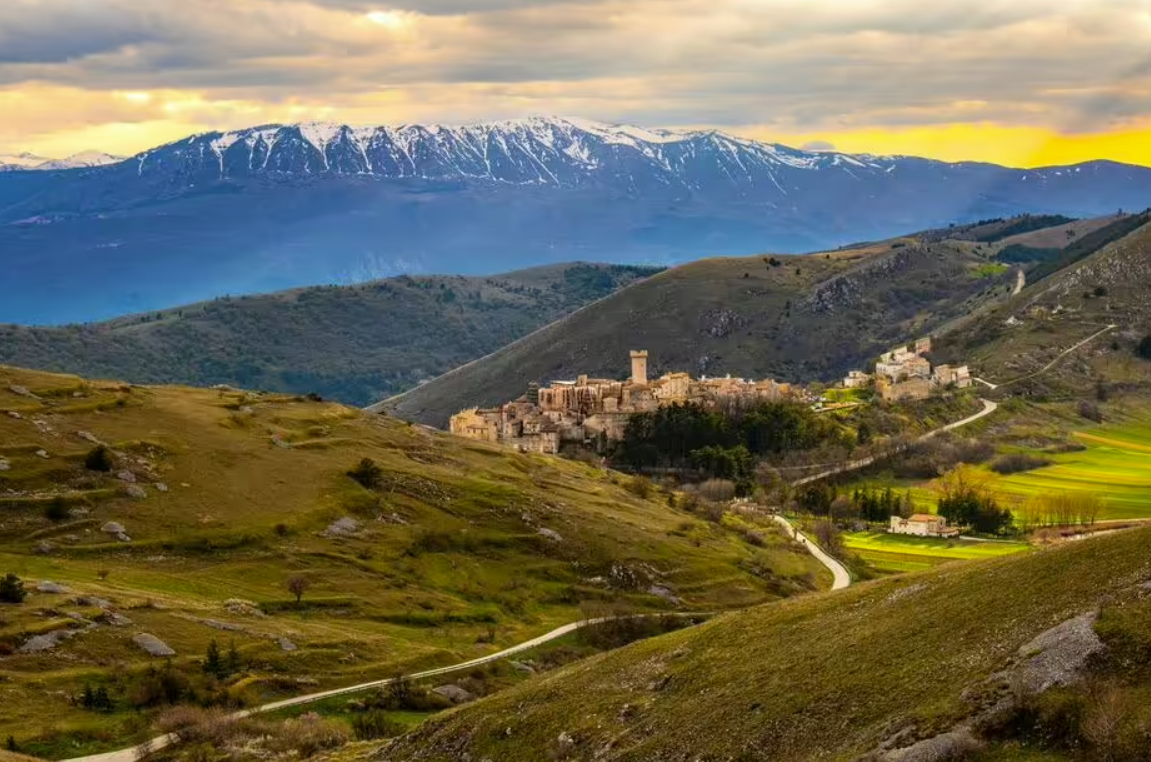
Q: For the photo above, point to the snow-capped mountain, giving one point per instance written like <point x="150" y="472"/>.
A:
<point x="32" y="162"/>
<point x="285" y="205"/>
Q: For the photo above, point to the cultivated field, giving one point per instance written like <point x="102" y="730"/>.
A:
<point x="900" y="553"/>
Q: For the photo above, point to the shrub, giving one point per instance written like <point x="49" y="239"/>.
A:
<point x="98" y="459"/>
<point x="367" y="474"/>
<point x="717" y="490"/>
<point x="309" y="735"/>
<point x="1018" y="462"/>
<point x="1090" y="411"/>
<point x="57" y="509"/>
<point x="12" y="589"/>
<point x="368" y="726"/>
<point x="640" y="486"/>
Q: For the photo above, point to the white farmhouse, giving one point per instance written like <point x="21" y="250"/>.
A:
<point x="922" y="525"/>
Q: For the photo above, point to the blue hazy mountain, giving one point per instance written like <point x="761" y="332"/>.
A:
<point x="279" y="206"/>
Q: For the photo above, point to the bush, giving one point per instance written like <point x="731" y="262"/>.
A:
<point x="368" y="726"/>
<point x="1090" y="411"/>
<point x="57" y="509"/>
<point x="717" y="490"/>
<point x="12" y="589"/>
<point x="98" y="459"/>
<point x="1019" y="462"/>
<point x="367" y="474"/>
<point x="309" y="735"/>
<point x="640" y="486"/>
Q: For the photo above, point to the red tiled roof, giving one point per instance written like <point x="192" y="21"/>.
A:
<point x="924" y="517"/>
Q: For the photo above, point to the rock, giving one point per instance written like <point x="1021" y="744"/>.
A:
<point x="116" y="620"/>
<point x="215" y="624"/>
<point x="123" y="537"/>
<point x="345" y="527"/>
<point x="88" y="436"/>
<point x="77" y="395"/>
<point x="287" y="645"/>
<point x="454" y="694"/>
<point x="153" y="645"/>
<point x="551" y="534"/>
<point x="78" y="513"/>
<point x="22" y="391"/>
<point x="94" y="602"/>
<point x="126" y="476"/>
<point x="51" y="588"/>
<point x="44" y="547"/>
<point x="949" y="747"/>
<point x="46" y="642"/>
<point x="43" y="454"/>
<point x="243" y="608"/>
<point x="137" y="492"/>
<point x="662" y="592"/>
<point x="1058" y="657"/>
<point x="161" y="487"/>
<point x="5" y="465"/>
<point x="113" y="527"/>
<point x="14" y="414"/>
<point x="519" y="666"/>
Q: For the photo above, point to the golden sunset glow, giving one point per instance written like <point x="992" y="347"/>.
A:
<point x="1018" y="82"/>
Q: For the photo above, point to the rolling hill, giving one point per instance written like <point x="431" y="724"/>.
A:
<point x="351" y="343"/>
<point x="1015" y="655"/>
<point x="795" y="319"/>
<point x="282" y="206"/>
<point x="211" y="500"/>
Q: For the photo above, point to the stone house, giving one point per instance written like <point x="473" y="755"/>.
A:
<point x="922" y="525"/>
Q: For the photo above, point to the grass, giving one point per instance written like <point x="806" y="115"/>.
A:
<point x="448" y="562"/>
<point x="900" y="553"/>
<point x="823" y="677"/>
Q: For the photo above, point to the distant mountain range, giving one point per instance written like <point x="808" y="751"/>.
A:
<point x="287" y="205"/>
<point x="31" y="162"/>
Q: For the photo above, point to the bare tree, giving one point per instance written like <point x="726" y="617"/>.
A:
<point x="297" y="585"/>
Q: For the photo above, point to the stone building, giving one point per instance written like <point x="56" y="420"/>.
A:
<point x="922" y="525"/>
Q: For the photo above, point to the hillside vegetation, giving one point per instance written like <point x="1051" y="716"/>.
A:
<point x="351" y="343"/>
<point x="190" y="514"/>
<point x="795" y="319"/>
<point x="883" y="665"/>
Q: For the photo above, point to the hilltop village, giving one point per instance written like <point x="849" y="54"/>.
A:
<point x="597" y="409"/>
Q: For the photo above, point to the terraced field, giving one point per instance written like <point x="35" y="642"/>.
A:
<point x="1116" y="466"/>
<point x="899" y="553"/>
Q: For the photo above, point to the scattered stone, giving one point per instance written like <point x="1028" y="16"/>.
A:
<point x="454" y="694"/>
<point x="215" y="624"/>
<point x="957" y="745"/>
<point x="551" y="534"/>
<point x="161" y="487"/>
<point x="287" y="645"/>
<point x="345" y="527"/>
<point x="153" y="645"/>
<point x="78" y="513"/>
<point x="116" y="620"/>
<point x="22" y="391"/>
<point x="43" y="454"/>
<point x="126" y="476"/>
<point x="94" y="602"/>
<point x="137" y="492"/>
<point x="113" y="527"/>
<point x="526" y="669"/>
<point x="904" y="592"/>
<point x="1058" y="657"/>
<point x="243" y="608"/>
<point x="44" y="547"/>
<point x="5" y="465"/>
<point x="77" y="395"/>
<point x="14" y="414"/>
<point x="88" y="436"/>
<point x="51" y="588"/>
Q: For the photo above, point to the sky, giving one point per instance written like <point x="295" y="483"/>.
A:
<point x="1017" y="82"/>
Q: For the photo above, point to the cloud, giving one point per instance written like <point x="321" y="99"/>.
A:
<point x="818" y="145"/>
<point x="789" y="66"/>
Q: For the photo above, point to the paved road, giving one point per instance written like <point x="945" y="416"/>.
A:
<point x="838" y="570"/>
<point x="989" y="407"/>
<point x="131" y="754"/>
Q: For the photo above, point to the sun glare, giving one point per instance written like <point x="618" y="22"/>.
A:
<point x="389" y="19"/>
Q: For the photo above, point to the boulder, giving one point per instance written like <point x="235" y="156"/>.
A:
<point x="43" y="454"/>
<point x="526" y="669"/>
<point x="662" y="592"/>
<point x="46" y="642"/>
<point x="551" y="534"/>
<point x="454" y="694"/>
<point x="22" y="391"/>
<point x="137" y="492"/>
<point x="345" y="527"/>
<point x="126" y="476"/>
<point x="161" y="487"/>
<point x="287" y="645"/>
<point x="14" y="414"/>
<point x="113" y="527"/>
<point x="153" y="645"/>
<point x="5" y="465"/>
<point x="88" y="436"/>
<point x="44" y="547"/>
<point x="51" y="588"/>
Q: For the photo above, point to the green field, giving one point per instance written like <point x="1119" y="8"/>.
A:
<point x="1116" y="466"/>
<point x="900" y="553"/>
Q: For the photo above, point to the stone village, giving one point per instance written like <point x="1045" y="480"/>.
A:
<point x="597" y="409"/>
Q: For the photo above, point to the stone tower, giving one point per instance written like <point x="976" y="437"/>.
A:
<point x="639" y="367"/>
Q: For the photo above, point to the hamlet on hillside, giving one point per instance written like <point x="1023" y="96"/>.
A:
<point x="591" y="409"/>
<point x="905" y="374"/>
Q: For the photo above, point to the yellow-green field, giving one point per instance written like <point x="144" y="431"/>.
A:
<point x="900" y="553"/>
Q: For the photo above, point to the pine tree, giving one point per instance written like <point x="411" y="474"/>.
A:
<point x="213" y="664"/>
<point x="233" y="658"/>
<point x="12" y="589"/>
<point x="88" y="697"/>
<point x="101" y="700"/>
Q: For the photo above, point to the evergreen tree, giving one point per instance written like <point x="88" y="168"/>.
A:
<point x="12" y="747"/>
<point x="101" y="700"/>
<point x="233" y="664"/>
<point x="213" y="664"/>
<point x="12" y="589"/>
<point x="88" y="697"/>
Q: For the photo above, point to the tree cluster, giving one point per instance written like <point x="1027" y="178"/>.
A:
<point x="965" y="501"/>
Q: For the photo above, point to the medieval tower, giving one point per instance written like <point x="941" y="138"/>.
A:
<point x="639" y="367"/>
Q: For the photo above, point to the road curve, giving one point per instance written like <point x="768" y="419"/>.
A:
<point x="132" y="754"/>
<point x="841" y="576"/>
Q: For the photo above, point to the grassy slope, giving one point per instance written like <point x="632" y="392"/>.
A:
<point x="354" y="343"/>
<point x="822" y="677"/>
<point x="456" y="559"/>
<point x="899" y="553"/>
<point x="812" y="317"/>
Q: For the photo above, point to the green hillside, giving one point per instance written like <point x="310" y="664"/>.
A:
<point x="792" y="318"/>
<point x="453" y="549"/>
<point x="351" y="343"/>
<point x="836" y="676"/>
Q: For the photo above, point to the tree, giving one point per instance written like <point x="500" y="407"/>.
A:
<point x="12" y="589"/>
<point x="213" y="664"/>
<point x="863" y="434"/>
<point x="98" y="459"/>
<point x="367" y="474"/>
<point x="57" y="509"/>
<point x="298" y="585"/>
<point x="11" y="744"/>
<point x="233" y="662"/>
<point x="1144" y="348"/>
